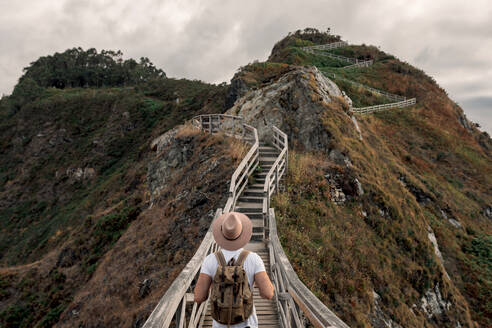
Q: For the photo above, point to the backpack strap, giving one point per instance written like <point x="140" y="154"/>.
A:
<point x="242" y="257"/>
<point x="220" y="258"/>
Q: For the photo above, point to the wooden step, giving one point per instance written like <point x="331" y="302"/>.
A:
<point x="253" y="192"/>
<point x="258" y="225"/>
<point x="248" y="208"/>
<point x="252" y="215"/>
<point x="261" y="147"/>
<point x="266" y="160"/>
<point x="255" y="186"/>
<point x="250" y="199"/>
<point x="257" y="236"/>
<point x="256" y="247"/>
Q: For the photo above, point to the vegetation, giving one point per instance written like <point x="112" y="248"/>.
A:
<point x="79" y="68"/>
<point x="378" y="241"/>
<point x="75" y="206"/>
<point x="73" y="168"/>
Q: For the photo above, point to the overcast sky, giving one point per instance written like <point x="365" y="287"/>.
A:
<point x="208" y="40"/>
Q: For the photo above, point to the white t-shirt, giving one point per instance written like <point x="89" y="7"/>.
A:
<point x="252" y="265"/>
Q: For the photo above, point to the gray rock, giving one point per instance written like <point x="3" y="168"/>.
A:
<point x="360" y="191"/>
<point x="294" y="103"/>
<point x="433" y="240"/>
<point x="487" y="211"/>
<point x="356" y="124"/>
<point x="236" y="90"/>
<point x="432" y="303"/>
<point x="464" y="121"/>
<point x="144" y="287"/>
<point x="162" y="141"/>
<point x="174" y="154"/>
<point x="378" y="318"/>
<point x="455" y="223"/>
<point x="337" y="157"/>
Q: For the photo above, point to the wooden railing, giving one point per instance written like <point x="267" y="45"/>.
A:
<point x="364" y="63"/>
<point x="328" y="46"/>
<point x="391" y="96"/>
<point x="354" y="62"/>
<point x="177" y="304"/>
<point x="228" y="124"/>
<point x="377" y="108"/>
<point x="294" y="300"/>
<point x="233" y="126"/>
<point x="398" y="101"/>
<point x="174" y="306"/>
<point x="272" y="180"/>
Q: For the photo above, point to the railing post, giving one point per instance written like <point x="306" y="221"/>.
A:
<point x="210" y="123"/>
<point x="201" y="123"/>
<point x="276" y="179"/>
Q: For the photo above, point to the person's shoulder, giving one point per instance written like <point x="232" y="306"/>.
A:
<point x="210" y="257"/>
<point x="254" y="257"/>
<point x="210" y="260"/>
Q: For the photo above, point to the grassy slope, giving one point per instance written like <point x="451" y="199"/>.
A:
<point x="42" y="207"/>
<point x="343" y="255"/>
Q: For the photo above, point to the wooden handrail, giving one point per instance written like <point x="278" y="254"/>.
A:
<point x="272" y="179"/>
<point x="376" y="108"/>
<point x="291" y="290"/>
<point x="172" y="305"/>
<point x="401" y="101"/>
<point x="177" y="293"/>
<point x="388" y="95"/>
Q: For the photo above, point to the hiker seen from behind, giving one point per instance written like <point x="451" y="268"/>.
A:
<point x="231" y="273"/>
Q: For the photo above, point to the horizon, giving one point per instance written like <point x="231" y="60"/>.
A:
<point x="211" y="41"/>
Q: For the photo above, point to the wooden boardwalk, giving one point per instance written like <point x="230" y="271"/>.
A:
<point x="252" y="185"/>
<point x="250" y="203"/>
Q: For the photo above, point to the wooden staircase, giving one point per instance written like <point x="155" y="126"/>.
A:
<point x="252" y="185"/>
<point x="250" y="202"/>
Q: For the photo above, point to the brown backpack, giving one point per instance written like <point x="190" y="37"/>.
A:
<point x="231" y="298"/>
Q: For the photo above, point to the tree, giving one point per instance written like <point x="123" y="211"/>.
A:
<point x="78" y="68"/>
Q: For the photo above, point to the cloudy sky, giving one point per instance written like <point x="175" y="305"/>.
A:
<point x="208" y="40"/>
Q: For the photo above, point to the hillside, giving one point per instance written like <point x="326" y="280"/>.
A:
<point x="106" y="191"/>
<point x="73" y="186"/>
<point x="359" y="213"/>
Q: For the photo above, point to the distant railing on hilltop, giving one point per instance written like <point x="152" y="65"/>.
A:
<point x="354" y="62"/>
<point x="378" y="108"/>
<point x="388" y="95"/>
<point x="398" y="101"/>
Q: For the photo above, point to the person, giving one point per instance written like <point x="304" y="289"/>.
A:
<point x="232" y="231"/>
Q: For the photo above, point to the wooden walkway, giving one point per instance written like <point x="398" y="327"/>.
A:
<point x="250" y="203"/>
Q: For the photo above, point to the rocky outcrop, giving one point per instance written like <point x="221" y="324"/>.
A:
<point x="162" y="167"/>
<point x="294" y="103"/>
<point x="236" y="90"/>
<point x="378" y="318"/>
<point x="437" y="252"/>
<point x="432" y="303"/>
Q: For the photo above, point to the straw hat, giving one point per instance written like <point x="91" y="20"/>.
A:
<point x="232" y="230"/>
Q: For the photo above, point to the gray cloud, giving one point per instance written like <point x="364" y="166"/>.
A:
<point x="210" y="40"/>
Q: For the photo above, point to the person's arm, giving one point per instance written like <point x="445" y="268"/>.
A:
<point x="264" y="284"/>
<point x="202" y="287"/>
<point x="262" y="281"/>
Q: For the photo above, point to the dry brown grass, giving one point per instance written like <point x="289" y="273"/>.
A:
<point x="238" y="149"/>
<point x="158" y="244"/>
<point x="187" y="130"/>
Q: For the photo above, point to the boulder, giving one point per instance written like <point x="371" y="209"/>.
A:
<point x="294" y="104"/>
